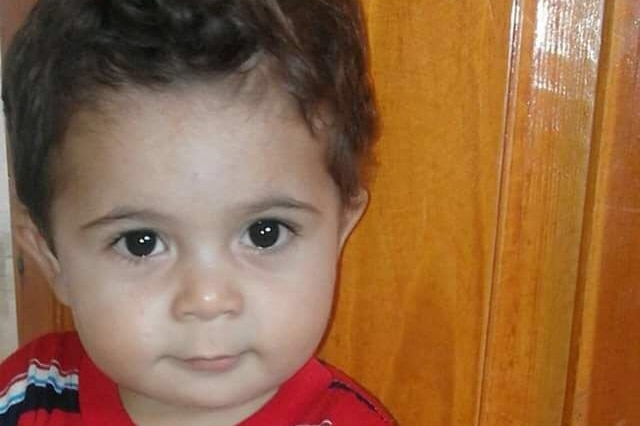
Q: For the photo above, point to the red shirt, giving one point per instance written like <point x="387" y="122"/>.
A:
<point x="52" y="382"/>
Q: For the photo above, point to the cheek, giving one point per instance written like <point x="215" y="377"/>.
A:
<point x="119" y="333"/>
<point x="296" y="314"/>
<point x="96" y="282"/>
<point x="124" y="320"/>
<point x="104" y="305"/>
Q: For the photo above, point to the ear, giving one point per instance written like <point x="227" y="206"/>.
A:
<point x="29" y="238"/>
<point x="352" y="213"/>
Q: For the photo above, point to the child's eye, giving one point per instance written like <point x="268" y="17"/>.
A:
<point x="139" y="243"/>
<point x="267" y="233"/>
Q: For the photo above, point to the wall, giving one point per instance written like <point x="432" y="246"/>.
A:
<point x="8" y="335"/>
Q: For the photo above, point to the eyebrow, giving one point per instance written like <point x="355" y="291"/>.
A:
<point x="134" y="214"/>
<point x="123" y="213"/>
<point x="279" y="203"/>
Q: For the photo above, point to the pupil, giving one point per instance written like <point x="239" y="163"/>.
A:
<point x="264" y="234"/>
<point x="141" y="243"/>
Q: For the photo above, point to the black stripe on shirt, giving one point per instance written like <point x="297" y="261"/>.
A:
<point x="42" y="398"/>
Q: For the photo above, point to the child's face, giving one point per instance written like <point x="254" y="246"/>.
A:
<point x="197" y="239"/>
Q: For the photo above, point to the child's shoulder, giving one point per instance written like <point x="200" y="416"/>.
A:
<point x="352" y="404"/>
<point x="44" y="370"/>
<point x="321" y="395"/>
<point x="60" y="352"/>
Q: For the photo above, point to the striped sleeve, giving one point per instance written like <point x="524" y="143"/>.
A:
<point x="41" y="377"/>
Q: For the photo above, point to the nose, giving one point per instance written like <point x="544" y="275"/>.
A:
<point x="206" y="293"/>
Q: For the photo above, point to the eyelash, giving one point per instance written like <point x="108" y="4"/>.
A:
<point x="291" y="228"/>
<point x="126" y="254"/>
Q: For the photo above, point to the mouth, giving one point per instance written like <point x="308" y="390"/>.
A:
<point x="217" y="364"/>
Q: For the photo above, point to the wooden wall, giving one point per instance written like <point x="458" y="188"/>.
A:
<point x="494" y="280"/>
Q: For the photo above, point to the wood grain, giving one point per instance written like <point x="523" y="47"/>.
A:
<point x="548" y="144"/>
<point x="12" y="13"/>
<point x="605" y="389"/>
<point x="413" y="303"/>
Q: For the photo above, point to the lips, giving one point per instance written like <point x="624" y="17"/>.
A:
<point x="217" y="364"/>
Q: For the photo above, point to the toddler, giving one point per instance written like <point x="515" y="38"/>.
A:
<point x="191" y="170"/>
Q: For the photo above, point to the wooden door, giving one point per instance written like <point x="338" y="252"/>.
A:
<point x="604" y="379"/>
<point x="494" y="278"/>
<point x="417" y="275"/>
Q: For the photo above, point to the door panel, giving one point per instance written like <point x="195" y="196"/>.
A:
<point x="547" y="150"/>
<point x="605" y="389"/>
<point x="416" y="277"/>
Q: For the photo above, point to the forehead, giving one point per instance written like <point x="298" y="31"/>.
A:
<point x="188" y="141"/>
<point x="255" y="92"/>
<point x="128" y="116"/>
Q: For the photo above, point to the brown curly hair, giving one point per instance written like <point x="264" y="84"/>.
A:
<point x="69" y="51"/>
